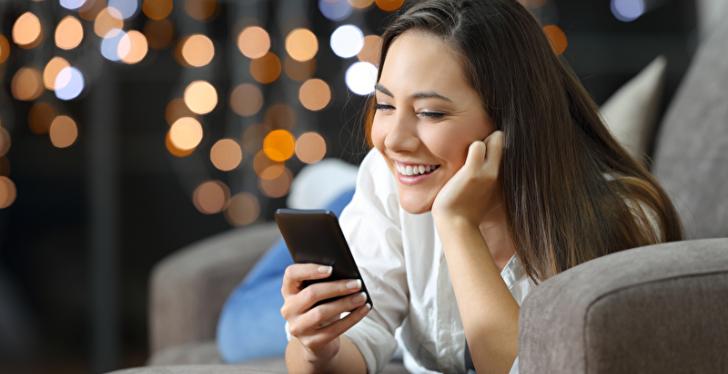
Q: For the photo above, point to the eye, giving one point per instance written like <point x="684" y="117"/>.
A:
<point x="384" y="107"/>
<point x="434" y="115"/>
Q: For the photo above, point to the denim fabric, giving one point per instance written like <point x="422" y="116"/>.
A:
<point x="250" y="324"/>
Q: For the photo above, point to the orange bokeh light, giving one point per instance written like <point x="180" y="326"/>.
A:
<point x="157" y="9"/>
<point x="389" y="5"/>
<point x="200" y="97"/>
<point x="310" y="148"/>
<point x="63" y="132"/>
<point x="197" y="50"/>
<point x="254" y="42"/>
<point x="69" y="33"/>
<point x="243" y="209"/>
<point x="266" y="69"/>
<point x="211" y="197"/>
<point x="226" y="154"/>
<point x="52" y="68"/>
<point x="557" y="38"/>
<point x="27" y="84"/>
<point x="27" y="31"/>
<point x="301" y="44"/>
<point x="246" y="99"/>
<point x="279" y="145"/>
<point x="314" y="94"/>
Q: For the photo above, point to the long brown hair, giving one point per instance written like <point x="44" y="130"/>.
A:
<point x="572" y="192"/>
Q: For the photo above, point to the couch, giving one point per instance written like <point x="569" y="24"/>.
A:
<point x="655" y="309"/>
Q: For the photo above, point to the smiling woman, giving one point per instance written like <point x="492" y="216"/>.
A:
<point x="491" y="172"/>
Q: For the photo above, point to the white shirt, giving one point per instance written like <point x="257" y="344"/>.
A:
<point x="401" y="261"/>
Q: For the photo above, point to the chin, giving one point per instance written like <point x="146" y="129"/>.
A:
<point x="414" y="204"/>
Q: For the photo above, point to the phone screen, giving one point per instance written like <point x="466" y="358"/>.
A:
<point x="314" y="236"/>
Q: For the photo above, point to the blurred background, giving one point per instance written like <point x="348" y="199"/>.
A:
<point x="131" y="128"/>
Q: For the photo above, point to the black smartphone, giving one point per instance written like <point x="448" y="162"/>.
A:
<point x="314" y="236"/>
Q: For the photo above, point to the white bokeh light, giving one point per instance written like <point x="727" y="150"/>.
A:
<point x="69" y="83"/>
<point x="347" y="41"/>
<point x="628" y="10"/>
<point x="361" y="78"/>
<point x="127" y="8"/>
<point x="110" y="44"/>
<point x="72" y="4"/>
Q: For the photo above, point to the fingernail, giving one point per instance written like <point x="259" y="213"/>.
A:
<point x="360" y="297"/>
<point x="324" y="269"/>
<point x="355" y="284"/>
<point x="369" y="306"/>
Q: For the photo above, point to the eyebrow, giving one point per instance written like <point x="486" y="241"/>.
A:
<point x="416" y="95"/>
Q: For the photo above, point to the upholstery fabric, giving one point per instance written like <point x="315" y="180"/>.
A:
<point x="654" y="309"/>
<point x="692" y="146"/>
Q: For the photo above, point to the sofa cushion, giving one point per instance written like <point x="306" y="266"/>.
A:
<point x="692" y="146"/>
<point x="655" y="309"/>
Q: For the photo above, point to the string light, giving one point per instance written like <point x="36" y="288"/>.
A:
<point x="200" y="97"/>
<point x="253" y="42"/>
<point x="389" y="5"/>
<point x="197" y="50"/>
<point x="314" y="94"/>
<point x="361" y="78"/>
<point x="157" y="9"/>
<point x="211" y="197"/>
<point x="51" y="71"/>
<point x="132" y="47"/>
<point x="69" y="83"/>
<point x="557" y="38"/>
<point x="246" y="99"/>
<point x="4" y="49"/>
<point x="185" y="133"/>
<point x="69" y="33"/>
<point x="63" y="132"/>
<point x="243" y="209"/>
<point x="266" y="69"/>
<point x="27" y="30"/>
<point x="347" y="41"/>
<point x="310" y="147"/>
<point x="8" y="192"/>
<point x="371" y="49"/>
<point x="27" y="84"/>
<point x="279" y="145"/>
<point x="335" y="10"/>
<point x="226" y="155"/>
<point x="301" y="44"/>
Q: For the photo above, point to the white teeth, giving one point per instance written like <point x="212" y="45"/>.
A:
<point x="414" y="170"/>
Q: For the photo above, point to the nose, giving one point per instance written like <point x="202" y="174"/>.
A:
<point x="402" y="136"/>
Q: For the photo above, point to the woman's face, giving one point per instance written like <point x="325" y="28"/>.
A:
<point x="427" y="116"/>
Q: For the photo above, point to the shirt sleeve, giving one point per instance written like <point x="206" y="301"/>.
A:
<point x="371" y="226"/>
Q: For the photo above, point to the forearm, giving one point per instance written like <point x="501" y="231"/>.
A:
<point x="487" y="308"/>
<point x="347" y="360"/>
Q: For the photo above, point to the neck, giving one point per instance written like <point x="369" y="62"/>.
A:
<point x="494" y="228"/>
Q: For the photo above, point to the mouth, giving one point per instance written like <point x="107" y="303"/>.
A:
<point x="412" y="173"/>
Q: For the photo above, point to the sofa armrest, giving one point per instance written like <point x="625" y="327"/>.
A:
<point x="189" y="287"/>
<point x="653" y="309"/>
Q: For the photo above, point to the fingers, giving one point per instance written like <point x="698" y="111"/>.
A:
<point x="314" y="293"/>
<point x="494" y="145"/>
<point x="323" y="323"/>
<point x="476" y="154"/>
<point x="297" y="273"/>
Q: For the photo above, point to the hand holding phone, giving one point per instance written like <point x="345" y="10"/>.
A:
<point x="322" y="284"/>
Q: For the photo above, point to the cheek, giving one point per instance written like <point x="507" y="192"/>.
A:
<point x="447" y="145"/>
<point x="378" y="133"/>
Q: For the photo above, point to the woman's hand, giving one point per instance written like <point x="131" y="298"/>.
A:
<point x="318" y="328"/>
<point x="476" y="188"/>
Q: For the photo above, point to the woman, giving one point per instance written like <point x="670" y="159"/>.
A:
<point x="491" y="171"/>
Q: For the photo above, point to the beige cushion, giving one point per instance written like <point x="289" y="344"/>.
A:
<point x="631" y="112"/>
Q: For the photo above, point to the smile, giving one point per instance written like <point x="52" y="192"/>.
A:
<point x="414" y="174"/>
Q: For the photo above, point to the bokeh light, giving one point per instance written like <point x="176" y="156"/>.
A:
<point x="261" y="163"/>
<point x="72" y="4"/>
<point x="27" y="30"/>
<point x="243" y="209"/>
<point x="246" y="99"/>
<point x="108" y="22"/>
<point x="40" y="116"/>
<point x="211" y="197"/>
<point x="266" y="69"/>
<point x="27" y="84"/>
<point x="8" y="193"/>
<point x="176" y="109"/>
<point x="63" y="132"/>
<point x="157" y="9"/>
<point x="347" y="41"/>
<point x="557" y="38"/>
<point x="278" y="187"/>
<point x="252" y="139"/>
<point x="110" y="45"/>
<point x="200" y="97"/>
<point x="69" y="83"/>
<point x="51" y="71"/>
<point x="126" y="8"/>
<point x="389" y="5"/>
<point x="335" y="10"/>
<point x="133" y="47"/>
<point x="280" y="116"/>
<point x="185" y="133"/>
<point x="69" y="33"/>
<point x="91" y="8"/>
<point x="310" y="147"/>
<point x="174" y="151"/>
<point x="201" y="10"/>
<point x="159" y="33"/>
<point x="361" y="78"/>
<point x="5" y="141"/>
<point x="371" y="50"/>
<point x="314" y="94"/>
<point x="301" y="44"/>
<point x="4" y="49"/>
<point x="361" y="4"/>
<point x="197" y="50"/>
<point x="254" y="42"/>
<point x="627" y="10"/>
<point x="272" y="171"/>
<point x="298" y="70"/>
<point x="226" y="154"/>
<point x="279" y="145"/>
